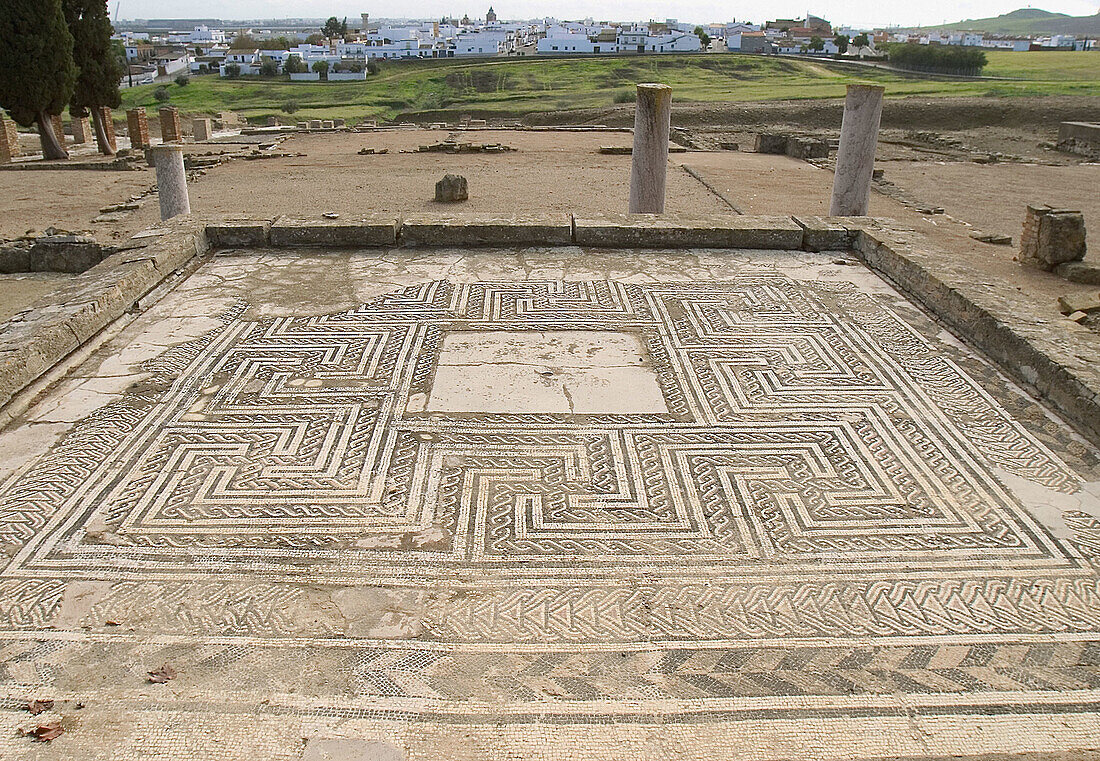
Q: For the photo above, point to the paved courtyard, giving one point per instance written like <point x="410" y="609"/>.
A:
<point x="542" y="504"/>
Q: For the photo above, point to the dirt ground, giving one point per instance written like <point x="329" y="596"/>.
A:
<point x="563" y="172"/>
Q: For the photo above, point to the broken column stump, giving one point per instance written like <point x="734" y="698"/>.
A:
<point x="1052" y="237"/>
<point x="451" y="188"/>
<point x="649" y="162"/>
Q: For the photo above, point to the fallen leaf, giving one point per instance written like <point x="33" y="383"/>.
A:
<point x="162" y="675"/>
<point x="43" y="733"/>
<point x="38" y="706"/>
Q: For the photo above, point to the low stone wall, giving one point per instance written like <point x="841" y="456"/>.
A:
<point x="53" y="253"/>
<point x="34" y="341"/>
<point x="999" y="322"/>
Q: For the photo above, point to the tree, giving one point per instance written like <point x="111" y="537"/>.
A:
<point x="161" y="94"/>
<point x="269" y="67"/>
<point x="232" y="71"/>
<point x="183" y="80"/>
<point x="290" y="106"/>
<point x="334" y="28"/>
<point x="817" y="44"/>
<point x="295" y="65"/>
<point x="704" y="38"/>
<point x="96" y="62"/>
<point x="372" y="65"/>
<point x="841" y="42"/>
<point x="321" y="67"/>
<point x="861" y="41"/>
<point x="36" y="58"/>
<point x="315" y="38"/>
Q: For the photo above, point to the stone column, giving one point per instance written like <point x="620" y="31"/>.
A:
<point x="9" y="140"/>
<point x="649" y="165"/>
<point x="82" y="133"/>
<point x="58" y="128"/>
<point x="137" y="123"/>
<point x="855" y="159"/>
<point x="170" y="131"/>
<point x="202" y="129"/>
<point x="171" y="180"/>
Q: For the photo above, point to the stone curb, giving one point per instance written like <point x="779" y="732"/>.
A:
<point x="662" y="231"/>
<point x="375" y="231"/>
<point x="617" y="231"/>
<point x="433" y="230"/>
<point x="37" y="339"/>
<point x="980" y="313"/>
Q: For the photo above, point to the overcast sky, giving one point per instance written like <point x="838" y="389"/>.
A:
<point x="853" y="12"/>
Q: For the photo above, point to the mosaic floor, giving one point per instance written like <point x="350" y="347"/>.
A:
<point x="545" y="504"/>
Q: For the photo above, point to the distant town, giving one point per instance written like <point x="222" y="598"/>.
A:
<point x="339" y="50"/>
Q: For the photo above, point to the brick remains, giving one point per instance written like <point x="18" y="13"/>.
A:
<point x="170" y="130"/>
<point x="58" y="128"/>
<point x="82" y="132"/>
<point x="137" y="123"/>
<point x="9" y="140"/>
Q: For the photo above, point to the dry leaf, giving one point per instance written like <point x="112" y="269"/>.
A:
<point x="38" y="706"/>
<point x="162" y="675"/>
<point x="43" y="733"/>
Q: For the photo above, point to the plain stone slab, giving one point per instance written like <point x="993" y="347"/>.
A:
<point x="469" y="230"/>
<point x="668" y="231"/>
<point x="1086" y="271"/>
<point x="238" y="233"/>
<point x="824" y="233"/>
<point x="367" y="231"/>
<point x="563" y="372"/>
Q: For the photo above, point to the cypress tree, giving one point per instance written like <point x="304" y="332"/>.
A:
<point x="36" y="59"/>
<point x="99" y="70"/>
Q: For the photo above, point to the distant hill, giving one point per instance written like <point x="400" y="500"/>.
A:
<point x="1029" y="21"/>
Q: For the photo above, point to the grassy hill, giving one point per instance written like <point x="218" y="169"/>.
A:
<point x="1029" y="21"/>
<point x="514" y="87"/>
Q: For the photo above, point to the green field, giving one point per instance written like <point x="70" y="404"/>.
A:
<point x="513" y="87"/>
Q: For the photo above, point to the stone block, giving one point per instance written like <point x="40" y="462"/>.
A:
<point x="377" y="231"/>
<point x="137" y="124"/>
<point x="315" y="124"/>
<point x="202" y="129"/>
<point x="675" y="231"/>
<point x="470" y="230"/>
<point x="9" y="140"/>
<point x="1080" y="132"/>
<point x="1052" y="237"/>
<point x="272" y="121"/>
<point x="82" y="132"/>
<point x="807" y="148"/>
<point x="824" y="233"/>
<point x="170" y="130"/>
<point x="327" y="124"/>
<point x="452" y="188"/>
<point x="768" y="142"/>
<point x="339" y="123"/>
<point x="1085" y="272"/>
<point x="241" y="233"/>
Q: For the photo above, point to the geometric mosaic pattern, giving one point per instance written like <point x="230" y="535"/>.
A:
<point x="819" y="465"/>
<point x="816" y="526"/>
